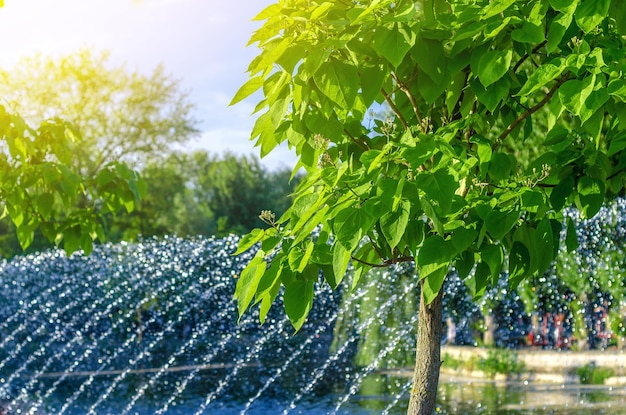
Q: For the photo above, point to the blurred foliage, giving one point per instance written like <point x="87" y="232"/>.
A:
<point x="121" y="115"/>
<point x="113" y="116"/>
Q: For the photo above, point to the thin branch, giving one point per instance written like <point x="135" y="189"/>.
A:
<point x="369" y="264"/>
<point x="408" y="94"/>
<point x="355" y="141"/>
<point x="530" y="111"/>
<point x="394" y="108"/>
<point x="526" y="56"/>
<point x="386" y="263"/>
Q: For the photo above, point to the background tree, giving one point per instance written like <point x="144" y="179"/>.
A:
<point x="203" y="194"/>
<point x="121" y="115"/>
<point x="436" y="184"/>
<point x="40" y="189"/>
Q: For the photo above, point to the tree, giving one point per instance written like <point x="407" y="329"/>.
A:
<point x="122" y="115"/>
<point x="437" y="184"/>
<point x="39" y="189"/>
<point x="236" y="188"/>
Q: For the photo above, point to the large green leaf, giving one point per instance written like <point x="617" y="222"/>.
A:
<point x="590" y="196"/>
<point x="519" y="263"/>
<point x="574" y="93"/>
<point x="248" y="282"/>
<point x="298" y="300"/>
<point x="493" y="65"/>
<point x="590" y="13"/>
<point x="394" y="42"/>
<point x="341" y="259"/>
<point x="540" y="77"/>
<point x="439" y="186"/>
<point x="433" y="283"/>
<point x="339" y="82"/>
<point x="434" y="255"/>
<point x="393" y="224"/>
<point x="350" y="225"/>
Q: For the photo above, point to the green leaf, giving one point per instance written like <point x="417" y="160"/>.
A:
<point x="45" y="202"/>
<point x="494" y="94"/>
<point x="545" y="240"/>
<point x="493" y="65"/>
<point x="433" y="283"/>
<point x="495" y="8"/>
<point x="434" y="255"/>
<point x="561" y="192"/>
<point x="248" y="240"/>
<point x="500" y="223"/>
<point x="247" y="89"/>
<point x="571" y="239"/>
<point x="493" y="256"/>
<point x="590" y="13"/>
<point x="349" y="226"/>
<point x="557" y="29"/>
<point x="566" y="6"/>
<point x="394" y="43"/>
<point x="299" y="258"/>
<point x="464" y="264"/>
<point x="519" y="263"/>
<point x="618" y="12"/>
<point x="341" y="259"/>
<point x="248" y="282"/>
<point x="590" y="196"/>
<point x="462" y="238"/>
<point x="298" y="300"/>
<point x="393" y="224"/>
<point x="431" y="57"/>
<point x="339" y="82"/>
<point x="528" y="33"/>
<point x="574" y="93"/>
<point x="439" y="186"/>
<point x="539" y="78"/>
<point x="478" y="282"/>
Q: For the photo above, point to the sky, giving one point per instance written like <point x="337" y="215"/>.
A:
<point x="202" y="43"/>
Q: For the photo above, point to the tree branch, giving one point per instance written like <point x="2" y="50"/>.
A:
<point x="529" y="112"/>
<point x="408" y="94"/>
<point x="394" y="108"/>
<point x="526" y="56"/>
<point x="355" y="141"/>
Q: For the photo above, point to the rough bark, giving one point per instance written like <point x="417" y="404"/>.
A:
<point x="427" y="357"/>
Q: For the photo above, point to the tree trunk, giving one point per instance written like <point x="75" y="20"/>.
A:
<point x="427" y="357"/>
<point x="489" y="338"/>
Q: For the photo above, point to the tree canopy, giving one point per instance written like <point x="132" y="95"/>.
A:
<point x="468" y="84"/>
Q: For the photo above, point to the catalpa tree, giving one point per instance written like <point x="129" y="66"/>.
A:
<point x="465" y="86"/>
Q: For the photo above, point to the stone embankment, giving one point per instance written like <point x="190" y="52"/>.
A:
<point x="547" y="366"/>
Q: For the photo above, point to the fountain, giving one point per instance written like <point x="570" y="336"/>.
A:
<point x="151" y="328"/>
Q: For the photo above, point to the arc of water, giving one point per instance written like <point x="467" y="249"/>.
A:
<point x="359" y="294"/>
<point x="255" y="350"/>
<point x="354" y="387"/>
<point x="25" y="391"/>
<point x="205" y="360"/>
<point x="397" y="398"/>
<point x="25" y="311"/>
<point x="18" y="348"/>
<point x="168" y="328"/>
<point x="42" y="347"/>
<point x="181" y="350"/>
<point x="162" y="288"/>
<point x="319" y="372"/>
<point x="76" y="362"/>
